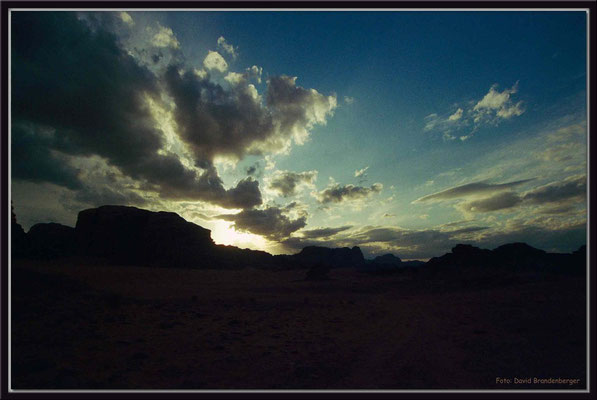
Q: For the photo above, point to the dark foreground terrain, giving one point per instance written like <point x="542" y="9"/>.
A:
<point x="81" y="325"/>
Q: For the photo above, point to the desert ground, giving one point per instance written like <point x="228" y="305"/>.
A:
<point x="78" y="324"/>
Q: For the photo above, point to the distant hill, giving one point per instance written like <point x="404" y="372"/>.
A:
<point x="512" y="256"/>
<point x="132" y="236"/>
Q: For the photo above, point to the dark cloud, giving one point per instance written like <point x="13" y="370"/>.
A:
<point x="97" y="107"/>
<point x="270" y="222"/>
<point x="214" y="120"/>
<point x="95" y="87"/>
<point x="177" y="183"/>
<point x="101" y="196"/>
<point x="297" y="109"/>
<point x="476" y="188"/>
<point x="157" y="57"/>
<point x="32" y="161"/>
<point x="286" y="182"/>
<point x="561" y="192"/>
<point x="246" y="194"/>
<point x="323" y="232"/>
<point x="499" y="201"/>
<point x="337" y="193"/>
<point x="574" y="187"/>
<point x="255" y="170"/>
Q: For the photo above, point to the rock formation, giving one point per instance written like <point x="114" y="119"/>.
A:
<point x="512" y="256"/>
<point x="333" y="258"/>
<point x="19" y="245"/>
<point x="130" y="235"/>
<point x="51" y="240"/>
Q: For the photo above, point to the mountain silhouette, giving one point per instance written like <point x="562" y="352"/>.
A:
<point x="125" y="235"/>
<point x="512" y="256"/>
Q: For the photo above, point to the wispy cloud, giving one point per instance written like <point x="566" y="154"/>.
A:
<point x="336" y="193"/>
<point x="470" y="189"/>
<point x="462" y="123"/>
<point x="227" y="47"/>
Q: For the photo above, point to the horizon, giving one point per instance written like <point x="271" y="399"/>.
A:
<point x="369" y="258"/>
<point x="397" y="132"/>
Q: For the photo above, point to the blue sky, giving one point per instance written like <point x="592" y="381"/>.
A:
<point x="403" y="132"/>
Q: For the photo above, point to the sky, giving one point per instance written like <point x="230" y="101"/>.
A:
<point x="396" y="131"/>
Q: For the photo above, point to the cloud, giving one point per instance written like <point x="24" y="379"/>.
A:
<point x="255" y="72"/>
<point x="494" y="107"/>
<point x="126" y="18"/>
<point x="99" y="107"/>
<point x="336" y="193"/>
<point x="426" y="243"/>
<point x="97" y="92"/>
<point x="470" y="189"/>
<point x="255" y="169"/>
<point x="215" y="121"/>
<point x="402" y="242"/>
<point x="497" y="104"/>
<point x="566" y="194"/>
<point x="33" y="161"/>
<point x="323" y="232"/>
<point x="96" y="197"/>
<point x="348" y="99"/>
<point x="270" y="222"/>
<point x="361" y="172"/>
<point x="237" y="78"/>
<point x="228" y="48"/>
<point x="456" y="116"/>
<point x="286" y="182"/>
<point x="164" y="37"/>
<point x="572" y="187"/>
<point x="499" y="201"/>
<point x="214" y="61"/>
<point x="295" y="109"/>
<point x="431" y="121"/>
<point x="156" y="122"/>
<point x="566" y="145"/>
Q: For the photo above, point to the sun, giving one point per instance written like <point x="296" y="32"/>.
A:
<point x="224" y="233"/>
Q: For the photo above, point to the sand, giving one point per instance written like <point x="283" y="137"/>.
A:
<point x="83" y="325"/>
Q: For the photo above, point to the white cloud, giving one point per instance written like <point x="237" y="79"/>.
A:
<point x="494" y="107"/>
<point x="214" y="60"/>
<point x="431" y="122"/>
<point x="495" y="100"/>
<point x="201" y="73"/>
<point x="165" y="38"/>
<point x="348" y="99"/>
<point x="235" y="78"/>
<point x="507" y="112"/>
<point x="456" y="116"/>
<point x="255" y="72"/>
<point x="360" y="172"/>
<point x="126" y="18"/>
